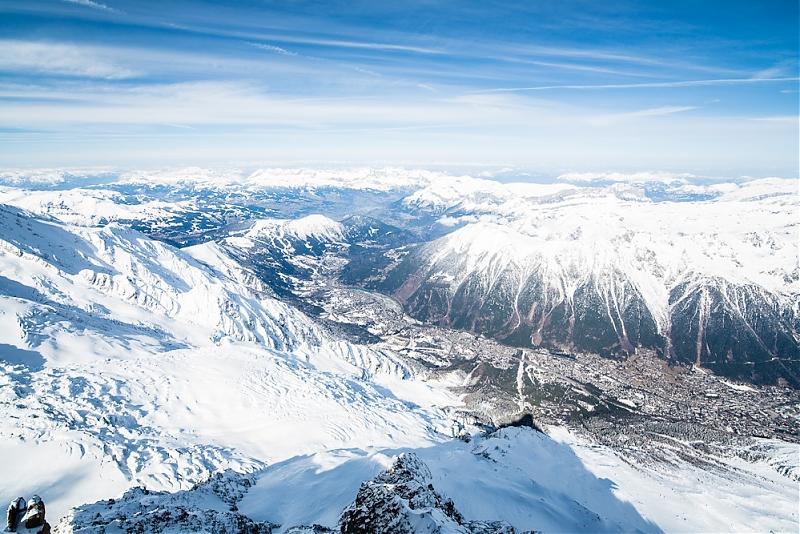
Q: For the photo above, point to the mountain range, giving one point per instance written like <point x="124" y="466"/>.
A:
<point x="290" y="350"/>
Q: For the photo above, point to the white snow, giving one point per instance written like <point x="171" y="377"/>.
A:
<point x="636" y="177"/>
<point x="356" y="178"/>
<point x="560" y="484"/>
<point x="680" y="497"/>
<point x="125" y="361"/>
<point x="364" y="178"/>
<point x="142" y="363"/>
<point x="50" y="177"/>
<point x="313" y="226"/>
<point x="747" y="235"/>
<point x="88" y="207"/>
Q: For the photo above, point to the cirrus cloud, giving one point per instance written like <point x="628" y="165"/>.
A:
<point x="62" y="59"/>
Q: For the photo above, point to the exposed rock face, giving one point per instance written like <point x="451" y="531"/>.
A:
<point x="402" y="500"/>
<point x="708" y="277"/>
<point x="735" y="330"/>
<point x="526" y="299"/>
<point x="523" y="309"/>
<point x="208" y="507"/>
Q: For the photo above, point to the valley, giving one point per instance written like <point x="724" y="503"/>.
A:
<point x="158" y="332"/>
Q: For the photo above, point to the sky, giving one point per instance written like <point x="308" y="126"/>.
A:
<point x="709" y="88"/>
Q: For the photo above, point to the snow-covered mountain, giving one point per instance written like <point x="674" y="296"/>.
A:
<point x="356" y="178"/>
<point x="192" y="205"/>
<point x="608" y="270"/>
<point x="120" y="353"/>
<point x="201" y="333"/>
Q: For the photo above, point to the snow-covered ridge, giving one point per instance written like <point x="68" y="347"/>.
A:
<point x="365" y="178"/>
<point x="314" y="226"/>
<point x="210" y="506"/>
<point x="131" y="274"/>
<point x="51" y="177"/>
<point x="360" y="178"/>
<point x="199" y="295"/>
<point x="89" y="207"/>
<point x="531" y="481"/>
<point x="130" y="358"/>
<point x="356" y="178"/>
<point x="747" y="235"/>
<point x="635" y="177"/>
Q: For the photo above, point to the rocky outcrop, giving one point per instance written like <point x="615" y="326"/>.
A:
<point x="737" y="330"/>
<point x="208" y="507"/>
<point x="402" y="500"/>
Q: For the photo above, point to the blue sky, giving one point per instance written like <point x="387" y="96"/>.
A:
<point x="707" y="87"/>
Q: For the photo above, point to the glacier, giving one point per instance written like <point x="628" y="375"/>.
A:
<point x="132" y="357"/>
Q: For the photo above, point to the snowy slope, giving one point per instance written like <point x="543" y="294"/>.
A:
<point x="135" y="362"/>
<point x="281" y="232"/>
<point x="606" y="269"/>
<point x="89" y="207"/>
<point x="524" y="478"/>
<point x="745" y="235"/>
<point x="532" y="481"/>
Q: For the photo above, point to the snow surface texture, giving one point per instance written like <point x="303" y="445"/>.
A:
<point x="88" y="207"/>
<point x="279" y="231"/>
<point x="747" y="234"/>
<point x="403" y="500"/>
<point x="126" y="361"/>
<point x="207" y="507"/>
<point x="528" y="479"/>
<point x="551" y="485"/>
<point x="400" y="500"/>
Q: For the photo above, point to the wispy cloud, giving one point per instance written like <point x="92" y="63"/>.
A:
<point x="59" y="59"/>
<point x="787" y="119"/>
<point x="304" y="40"/>
<point x="644" y="85"/>
<point x="227" y="103"/>
<point x="363" y="45"/>
<point x="610" y="118"/>
<point x="595" y="69"/>
<point x="587" y="53"/>
<point x="273" y="48"/>
<point x="663" y="110"/>
<point x="782" y="68"/>
<point x="94" y="5"/>
<point x="179" y="126"/>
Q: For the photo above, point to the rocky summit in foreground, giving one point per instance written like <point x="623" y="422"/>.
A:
<point x="401" y="500"/>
